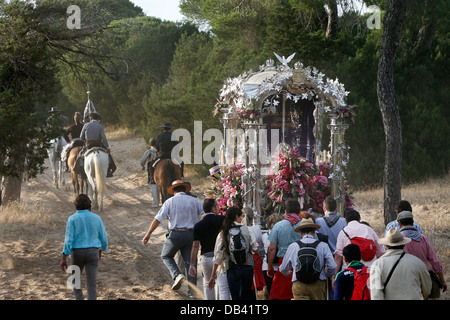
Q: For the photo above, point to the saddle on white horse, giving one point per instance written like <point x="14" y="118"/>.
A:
<point x="89" y="151"/>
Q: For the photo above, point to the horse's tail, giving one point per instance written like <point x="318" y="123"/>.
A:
<point x="99" y="177"/>
<point x="170" y="173"/>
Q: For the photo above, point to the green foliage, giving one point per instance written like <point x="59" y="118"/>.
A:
<point x="159" y="71"/>
<point x="148" y="45"/>
<point x="26" y="78"/>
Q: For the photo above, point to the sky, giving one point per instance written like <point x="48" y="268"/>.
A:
<point x="163" y="9"/>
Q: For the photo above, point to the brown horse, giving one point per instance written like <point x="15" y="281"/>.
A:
<point x="72" y="160"/>
<point x="166" y="172"/>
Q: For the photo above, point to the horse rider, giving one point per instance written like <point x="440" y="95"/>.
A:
<point x="93" y="133"/>
<point x="72" y="134"/>
<point x="165" y="145"/>
<point x="74" y="131"/>
<point x="57" y="120"/>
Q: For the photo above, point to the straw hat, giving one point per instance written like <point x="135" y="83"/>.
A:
<point x="394" y="238"/>
<point x="307" y="223"/>
<point x="178" y="183"/>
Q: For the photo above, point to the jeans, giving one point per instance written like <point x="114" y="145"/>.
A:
<point x="178" y="241"/>
<point x="88" y="259"/>
<point x="240" y="280"/>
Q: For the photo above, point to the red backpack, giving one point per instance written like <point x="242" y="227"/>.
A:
<point x="360" y="285"/>
<point x="367" y="247"/>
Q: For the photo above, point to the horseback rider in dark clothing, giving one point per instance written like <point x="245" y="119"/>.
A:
<point x="74" y="130"/>
<point x="72" y="136"/>
<point x="164" y="145"/>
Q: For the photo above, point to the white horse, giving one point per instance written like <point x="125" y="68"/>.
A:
<point x="58" y="166"/>
<point x="96" y="164"/>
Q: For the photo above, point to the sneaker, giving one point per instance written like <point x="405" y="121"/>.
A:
<point x="179" y="279"/>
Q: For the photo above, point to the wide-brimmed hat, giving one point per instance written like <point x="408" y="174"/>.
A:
<point x="178" y="183"/>
<point x="394" y="238"/>
<point x="53" y="110"/>
<point x="166" y="125"/>
<point x="307" y="223"/>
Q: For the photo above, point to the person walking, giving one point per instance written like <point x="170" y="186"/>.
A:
<point x="85" y="240"/>
<point x="282" y="235"/>
<point x="330" y="225"/>
<point x="360" y="234"/>
<point x="205" y="234"/>
<point x="311" y="269"/>
<point x="402" y="205"/>
<point x="233" y="253"/>
<point x="147" y="161"/>
<point x="344" y="284"/>
<point x="398" y="275"/>
<point x="183" y="212"/>
<point x="421" y="247"/>
<point x="258" y="277"/>
<point x="271" y="221"/>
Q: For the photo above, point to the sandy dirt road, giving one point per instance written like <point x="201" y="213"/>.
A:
<point x="30" y="252"/>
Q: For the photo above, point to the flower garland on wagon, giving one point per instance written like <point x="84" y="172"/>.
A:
<point x="296" y="178"/>
<point x="293" y="178"/>
<point x="228" y="190"/>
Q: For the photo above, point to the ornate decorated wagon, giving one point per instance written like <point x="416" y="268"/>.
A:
<point x="273" y="122"/>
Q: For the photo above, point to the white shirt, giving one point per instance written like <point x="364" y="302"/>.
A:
<point x="410" y="280"/>
<point x="183" y="211"/>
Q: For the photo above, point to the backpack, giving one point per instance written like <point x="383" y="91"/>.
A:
<point x="367" y="247"/>
<point x="307" y="268"/>
<point x="237" y="246"/>
<point x="360" y="285"/>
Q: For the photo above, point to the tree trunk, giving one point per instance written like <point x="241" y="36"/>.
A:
<point x="332" y="26"/>
<point x="12" y="185"/>
<point x="427" y="32"/>
<point x="389" y="107"/>
<point x="12" y="190"/>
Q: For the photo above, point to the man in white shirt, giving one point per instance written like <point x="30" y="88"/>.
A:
<point x="183" y="212"/>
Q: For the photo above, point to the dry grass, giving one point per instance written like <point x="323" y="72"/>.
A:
<point x="118" y="133"/>
<point x="429" y="200"/>
<point x="17" y="214"/>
